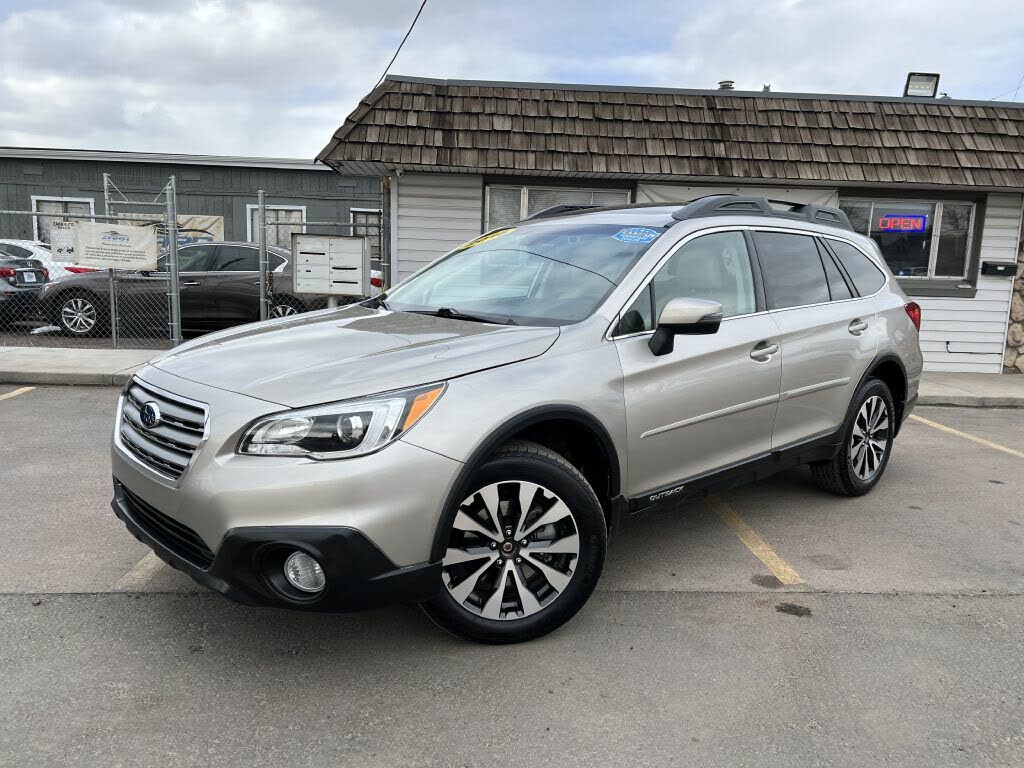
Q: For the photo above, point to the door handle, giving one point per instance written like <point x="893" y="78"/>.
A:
<point x="189" y="282"/>
<point x="763" y="352"/>
<point x="857" y="327"/>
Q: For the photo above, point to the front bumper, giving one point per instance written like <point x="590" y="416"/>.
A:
<point x="247" y="565"/>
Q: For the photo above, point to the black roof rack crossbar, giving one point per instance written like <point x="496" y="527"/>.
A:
<point x="744" y="205"/>
<point x="558" y="210"/>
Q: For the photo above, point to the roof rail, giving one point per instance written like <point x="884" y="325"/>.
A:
<point x="558" y="210"/>
<point x="745" y="205"/>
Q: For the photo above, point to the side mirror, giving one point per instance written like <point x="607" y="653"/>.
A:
<point x="684" y="316"/>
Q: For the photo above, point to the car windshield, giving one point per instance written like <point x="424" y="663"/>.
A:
<point x="551" y="273"/>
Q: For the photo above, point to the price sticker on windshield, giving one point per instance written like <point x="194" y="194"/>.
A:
<point x="636" y="235"/>
<point x="486" y="238"/>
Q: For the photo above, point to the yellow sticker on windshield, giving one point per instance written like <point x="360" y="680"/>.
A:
<point x="485" y="238"/>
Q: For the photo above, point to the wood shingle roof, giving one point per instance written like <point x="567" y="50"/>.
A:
<point x="661" y="134"/>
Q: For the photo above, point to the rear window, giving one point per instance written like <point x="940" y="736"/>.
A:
<point x="865" y="275"/>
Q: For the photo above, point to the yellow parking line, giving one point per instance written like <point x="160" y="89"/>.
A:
<point x="782" y="570"/>
<point x="968" y="436"/>
<point x="140" y="575"/>
<point x="16" y="392"/>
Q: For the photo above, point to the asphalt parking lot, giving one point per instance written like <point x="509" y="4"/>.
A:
<point x="770" y="626"/>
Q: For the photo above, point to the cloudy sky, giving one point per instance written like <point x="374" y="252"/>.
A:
<point x="275" y="78"/>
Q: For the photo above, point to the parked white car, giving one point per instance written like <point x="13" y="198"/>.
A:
<point x="34" y="249"/>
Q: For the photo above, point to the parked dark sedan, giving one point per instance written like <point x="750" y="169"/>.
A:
<point x="21" y="282"/>
<point x="220" y="287"/>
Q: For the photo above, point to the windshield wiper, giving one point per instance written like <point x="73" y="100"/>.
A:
<point x="455" y="314"/>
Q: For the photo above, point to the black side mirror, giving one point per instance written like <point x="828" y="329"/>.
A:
<point x="684" y="316"/>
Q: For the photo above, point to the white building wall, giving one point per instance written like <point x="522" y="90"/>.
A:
<point x="434" y="213"/>
<point x="969" y="335"/>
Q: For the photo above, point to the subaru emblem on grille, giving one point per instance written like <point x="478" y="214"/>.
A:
<point x="150" y="415"/>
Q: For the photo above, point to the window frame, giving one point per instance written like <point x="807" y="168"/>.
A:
<point x="932" y="285"/>
<point x="250" y="207"/>
<point x="56" y="199"/>
<point x="760" y="305"/>
<point x="524" y="197"/>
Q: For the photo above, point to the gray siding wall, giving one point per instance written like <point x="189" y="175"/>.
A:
<point x="435" y="213"/>
<point x="211" y="190"/>
<point x="976" y="328"/>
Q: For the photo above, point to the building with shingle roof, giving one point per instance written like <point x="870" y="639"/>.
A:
<point x="936" y="182"/>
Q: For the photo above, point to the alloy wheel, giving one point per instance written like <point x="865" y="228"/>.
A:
<point x="78" y="315"/>
<point x="870" y="438"/>
<point x="283" y="310"/>
<point x="512" y="551"/>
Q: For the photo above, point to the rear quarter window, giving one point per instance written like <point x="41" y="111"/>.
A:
<point x="862" y="270"/>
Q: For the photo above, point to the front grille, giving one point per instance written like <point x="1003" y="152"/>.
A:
<point x="169" y="446"/>
<point x="175" y="536"/>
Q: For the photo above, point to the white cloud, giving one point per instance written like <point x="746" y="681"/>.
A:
<point x="276" y="78"/>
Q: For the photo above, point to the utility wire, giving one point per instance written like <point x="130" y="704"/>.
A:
<point x="1014" y="90"/>
<point x="399" y="49"/>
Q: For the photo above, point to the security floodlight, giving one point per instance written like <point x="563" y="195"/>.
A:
<point x="922" y="84"/>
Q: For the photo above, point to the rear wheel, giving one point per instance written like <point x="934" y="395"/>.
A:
<point x="79" y="313"/>
<point x="525" y="548"/>
<point x="867" y="444"/>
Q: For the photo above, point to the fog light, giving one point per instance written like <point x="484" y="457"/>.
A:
<point x="303" y="572"/>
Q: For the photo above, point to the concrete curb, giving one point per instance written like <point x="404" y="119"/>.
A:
<point x="971" y="401"/>
<point x="69" y="378"/>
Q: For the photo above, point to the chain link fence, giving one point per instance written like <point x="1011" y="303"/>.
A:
<point x="47" y="299"/>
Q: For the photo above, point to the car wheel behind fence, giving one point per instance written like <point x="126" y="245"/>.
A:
<point x="79" y="314"/>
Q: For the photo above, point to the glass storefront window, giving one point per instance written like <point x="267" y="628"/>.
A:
<point x="917" y="238"/>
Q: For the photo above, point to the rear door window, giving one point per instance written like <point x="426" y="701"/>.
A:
<point x="236" y="258"/>
<point x="867" y="278"/>
<point x="792" y="270"/>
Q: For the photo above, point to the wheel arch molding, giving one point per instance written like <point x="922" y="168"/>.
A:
<point x="888" y="368"/>
<point x="515" y="427"/>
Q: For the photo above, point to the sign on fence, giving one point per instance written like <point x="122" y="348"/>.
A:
<point x="115" y="246"/>
<point x="62" y="240"/>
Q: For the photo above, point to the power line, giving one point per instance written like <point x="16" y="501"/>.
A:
<point x="1015" y="90"/>
<point x="399" y="49"/>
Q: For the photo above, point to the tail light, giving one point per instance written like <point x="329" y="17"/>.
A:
<point x="914" y="313"/>
<point x="7" y="272"/>
<point x="377" y="282"/>
<point x="80" y="270"/>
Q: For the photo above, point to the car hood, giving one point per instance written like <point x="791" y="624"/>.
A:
<point x="339" y="354"/>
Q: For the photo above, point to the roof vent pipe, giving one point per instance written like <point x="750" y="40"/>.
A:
<point x="725" y="85"/>
<point x="767" y="88"/>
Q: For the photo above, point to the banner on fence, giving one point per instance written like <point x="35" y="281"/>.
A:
<point x="62" y="240"/>
<point x="115" y="246"/>
<point x="195" y="228"/>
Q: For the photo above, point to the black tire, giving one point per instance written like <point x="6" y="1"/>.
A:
<point x="841" y="475"/>
<point x="531" y="463"/>
<point x="100" y="313"/>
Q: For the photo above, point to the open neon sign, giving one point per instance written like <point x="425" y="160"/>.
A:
<point x="902" y="222"/>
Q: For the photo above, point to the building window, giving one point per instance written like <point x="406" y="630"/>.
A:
<point x="290" y="216"/>
<point x="367" y="221"/>
<point x="57" y="205"/>
<point x="918" y="238"/>
<point x="509" y="204"/>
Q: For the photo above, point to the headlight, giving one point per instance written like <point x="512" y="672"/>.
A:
<point x="340" y="430"/>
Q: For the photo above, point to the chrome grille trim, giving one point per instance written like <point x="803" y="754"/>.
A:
<point x="167" y="451"/>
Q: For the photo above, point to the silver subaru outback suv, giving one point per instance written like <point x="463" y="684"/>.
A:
<point x="470" y="439"/>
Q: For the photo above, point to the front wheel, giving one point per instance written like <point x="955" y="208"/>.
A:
<point x="867" y="444"/>
<point x="525" y="548"/>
